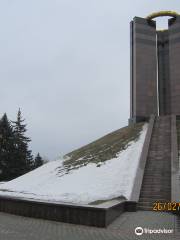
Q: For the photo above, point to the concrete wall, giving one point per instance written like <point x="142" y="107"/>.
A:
<point x="149" y="47"/>
<point x="143" y="69"/>
<point x="174" y="58"/>
<point x="85" y="215"/>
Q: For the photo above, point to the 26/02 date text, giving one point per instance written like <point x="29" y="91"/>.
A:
<point x="166" y="206"/>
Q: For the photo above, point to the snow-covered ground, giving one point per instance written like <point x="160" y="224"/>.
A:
<point x="2" y="182"/>
<point x="84" y="185"/>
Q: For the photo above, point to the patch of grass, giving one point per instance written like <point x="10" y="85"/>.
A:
<point x="103" y="149"/>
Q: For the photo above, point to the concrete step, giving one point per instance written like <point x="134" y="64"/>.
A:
<point x="155" y="196"/>
<point x="153" y="199"/>
<point x="157" y="171"/>
<point x="144" y="208"/>
<point x="155" y="189"/>
<point x="156" y="181"/>
<point x="159" y="190"/>
<point x="157" y="176"/>
<point x="154" y="169"/>
<point x="158" y="194"/>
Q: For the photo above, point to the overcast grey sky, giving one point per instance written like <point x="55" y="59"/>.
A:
<point x="65" y="63"/>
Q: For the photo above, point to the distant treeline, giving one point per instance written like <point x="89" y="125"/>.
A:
<point x="15" y="157"/>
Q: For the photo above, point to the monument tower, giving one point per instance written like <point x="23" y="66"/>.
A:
<point x="155" y="67"/>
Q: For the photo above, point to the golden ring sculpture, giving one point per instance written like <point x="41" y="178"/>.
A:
<point x="162" y="14"/>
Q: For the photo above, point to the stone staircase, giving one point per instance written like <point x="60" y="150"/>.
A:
<point x="156" y="185"/>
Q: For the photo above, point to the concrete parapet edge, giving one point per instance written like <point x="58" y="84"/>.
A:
<point x="76" y="214"/>
<point x="142" y="162"/>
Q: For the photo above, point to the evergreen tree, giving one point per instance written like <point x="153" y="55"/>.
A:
<point x="38" y="161"/>
<point x="7" y="149"/>
<point x="23" y="155"/>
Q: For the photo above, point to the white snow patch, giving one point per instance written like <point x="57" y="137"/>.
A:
<point x="84" y="185"/>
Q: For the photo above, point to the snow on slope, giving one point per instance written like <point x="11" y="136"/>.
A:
<point x="84" y="185"/>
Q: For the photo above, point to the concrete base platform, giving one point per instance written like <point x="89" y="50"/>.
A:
<point x="98" y="215"/>
<point x="14" y="227"/>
